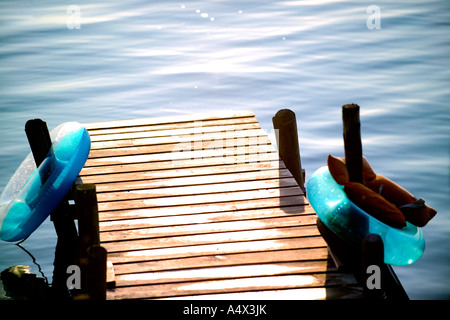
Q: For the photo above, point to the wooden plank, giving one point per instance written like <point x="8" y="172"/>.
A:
<point x="232" y="285"/>
<point x="202" y="199"/>
<point x="233" y="236"/>
<point x="325" y="293"/>
<point x="197" y="137"/>
<point x="140" y="181"/>
<point x="252" y="152"/>
<point x="218" y="206"/>
<point x="180" y="147"/>
<point x="222" y="260"/>
<point x="215" y="249"/>
<point x="206" y="189"/>
<point x="222" y="271"/>
<point x="175" y="125"/>
<point x="177" y="220"/>
<point x="196" y="133"/>
<point x="110" y="274"/>
<point x="162" y="167"/>
<point x="204" y="228"/>
<point x="170" y="119"/>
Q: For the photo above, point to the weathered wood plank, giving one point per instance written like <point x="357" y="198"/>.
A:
<point x="141" y="182"/>
<point x="194" y="229"/>
<point x="329" y="293"/>
<point x="218" y="206"/>
<point x="177" y="220"/>
<point x="232" y="285"/>
<point x="196" y="133"/>
<point x="162" y="167"/>
<point x="221" y="171"/>
<point x="212" y="188"/>
<point x="180" y="147"/>
<point x="202" y="199"/>
<point x="170" y="119"/>
<point x="175" y="125"/>
<point x="222" y="271"/>
<point x="222" y="237"/>
<point x="197" y="138"/>
<point x="252" y="152"/>
<point x="223" y="260"/>
<point x="217" y="249"/>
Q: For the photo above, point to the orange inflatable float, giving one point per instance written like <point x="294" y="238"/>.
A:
<point x="381" y="197"/>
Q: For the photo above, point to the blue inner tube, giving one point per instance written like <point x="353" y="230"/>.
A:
<point x="32" y="194"/>
<point x="350" y="223"/>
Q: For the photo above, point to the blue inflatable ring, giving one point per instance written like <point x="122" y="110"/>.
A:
<point x="350" y="223"/>
<point x="32" y="194"/>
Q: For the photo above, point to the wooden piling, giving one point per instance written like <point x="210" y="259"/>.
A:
<point x="372" y="250"/>
<point x="87" y="211"/>
<point x="96" y="272"/>
<point x="65" y="251"/>
<point x="352" y="142"/>
<point x="39" y="139"/>
<point x="92" y="255"/>
<point x="285" y="125"/>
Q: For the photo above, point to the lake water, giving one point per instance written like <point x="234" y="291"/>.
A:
<point x="94" y="60"/>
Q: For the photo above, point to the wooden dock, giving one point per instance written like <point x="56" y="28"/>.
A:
<point x="201" y="206"/>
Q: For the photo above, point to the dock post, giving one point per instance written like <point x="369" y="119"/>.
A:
<point x="285" y="125"/>
<point x="65" y="253"/>
<point x="96" y="272"/>
<point x="373" y="255"/>
<point x="372" y="250"/>
<point x="352" y="142"/>
<point x="92" y="255"/>
<point x="39" y="141"/>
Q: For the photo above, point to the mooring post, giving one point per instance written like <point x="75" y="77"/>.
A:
<point x="87" y="211"/>
<point x="65" y="252"/>
<point x="39" y="141"/>
<point x="285" y="125"/>
<point x="96" y="272"/>
<point x="92" y="255"/>
<point x="352" y="142"/>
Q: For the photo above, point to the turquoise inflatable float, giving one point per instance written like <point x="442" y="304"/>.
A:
<point x="33" y="193"/>
<point x="401" y="246"/>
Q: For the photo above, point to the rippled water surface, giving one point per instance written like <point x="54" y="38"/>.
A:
<point x="143" y="59"/>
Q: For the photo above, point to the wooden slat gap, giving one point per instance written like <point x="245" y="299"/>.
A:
<point x="180" y="133"/>
<point x="183" y="147"/>
<point x="132" y="246"/>
<point x="171" y="126"/>
<point x="196" y="229"/>
<point x="183" y="166"/>
<point x="274" y="205"/>
<point x="181" y="176"/>
<point x="168" y="120"/>
<point x="189" y="234"/>
<point x="190" y="222"/>
<point x="164" y="196"/>
<point x="224" y="255"/>
<point x="190" y="155"/>
<point x="162" y="187"/>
